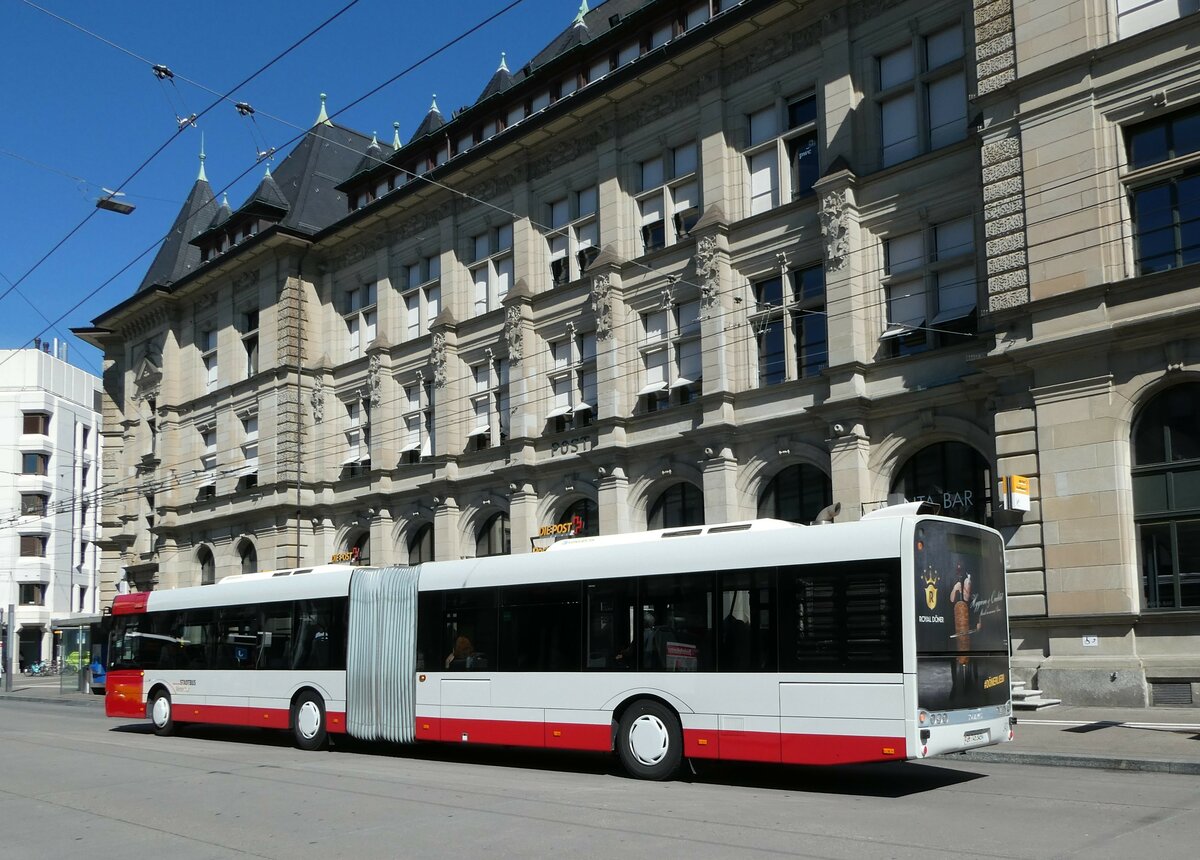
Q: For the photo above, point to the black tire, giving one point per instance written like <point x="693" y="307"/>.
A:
<point x="161" y="712"/>
<point x="308" y="721"/>
<point x="650" y="740"/>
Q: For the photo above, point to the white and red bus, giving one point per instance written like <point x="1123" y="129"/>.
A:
<point x="880" y="640"/>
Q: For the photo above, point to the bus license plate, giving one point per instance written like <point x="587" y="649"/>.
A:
<point x="976" y="737"/>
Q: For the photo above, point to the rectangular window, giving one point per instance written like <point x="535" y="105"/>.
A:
<point x="33" y="546"/>
<point x="35" y="464"/>
<point x="572" y="381"/>
<point x="841" y="618"/>
<point x="676" y="624"/>
<point x="1166" y="221"/>
<point x="781" y="158"/>
<point x="418" y="421"/>
<point x="422" y="292"/>
<point x="33" y="504"/>
<point x="747" y="632"/>
<point x="575" y="238"/>
<point x="1163" y="202"/>
<point x="610" y="638"/>
<point x="931" y="287"/>
<point x="37" y="423"/>
<point x="208" y="357"/>
<point x="492" y="269"/>
<point x="539" y="628"/>
<point x="208" y="440"/>
<point x="360" y="314"/>
<point x="31" y="594"/>
<point x="468" y="631"/>
<point x="922" y="96"/>
<point x="669" y="200"/>
<point x="249" y="331"/>
<point x="1137" y="16"/>
<point x="790" y="325"/>
<point x="671" y="356"/>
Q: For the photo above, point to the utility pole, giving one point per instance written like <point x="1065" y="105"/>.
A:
<point x="10" y="638"/>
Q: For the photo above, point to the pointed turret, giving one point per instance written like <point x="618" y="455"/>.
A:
<point x="323" y="117"/>
<point x="202" y="177"/>
<point x="396" y="144"/>
<point x="500" y="81"/>
<point x="432" y="122"/>
<point x="223" y="213"/>
<point x="176" y="257"/>
<point x="267" y="196"/>
<point x="583" y="10"/>
<point x="373" y="157"/>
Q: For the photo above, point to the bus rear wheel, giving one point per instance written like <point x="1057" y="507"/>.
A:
<point x="161" y="713"/>
<point x="308" y="721"/>
<point x="650" y="740"/>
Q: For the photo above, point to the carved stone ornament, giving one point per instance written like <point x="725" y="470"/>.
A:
<point x="245" y="279"/>
<point x="317" y="398"/>
<point x="513" y="335"/>
<point x="373" y="386"/>
<point x="708" y="270"/>
<point x="437" y="357"/>
<point x="602" y="306"/>
<point x="835" y="229"/>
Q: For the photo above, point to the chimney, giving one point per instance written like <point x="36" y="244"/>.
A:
<point x="37" y="343"/>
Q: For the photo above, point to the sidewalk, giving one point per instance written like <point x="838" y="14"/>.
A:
<point x="1159" y="740"/>
<point x="1162" y="740"/>
<point x="47" y="689"/>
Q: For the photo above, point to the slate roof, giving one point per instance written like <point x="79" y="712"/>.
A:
<point x="432" y="122"/>
<point x="176" y="257"/>
<point x="499" y="82"/>
<point x="302" y="192"/>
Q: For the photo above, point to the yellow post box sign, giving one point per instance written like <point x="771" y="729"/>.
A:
<point x="1014" y="493"/>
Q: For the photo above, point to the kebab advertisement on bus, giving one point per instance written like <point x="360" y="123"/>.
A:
<point x="962" y="623"/>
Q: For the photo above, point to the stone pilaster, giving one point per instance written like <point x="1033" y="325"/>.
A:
<point x="995" y="50"/>
<point x="1004" y="223"/>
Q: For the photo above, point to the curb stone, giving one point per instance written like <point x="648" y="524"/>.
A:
<point x="1190" y="768"/>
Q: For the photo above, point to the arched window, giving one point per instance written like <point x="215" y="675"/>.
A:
<point x="363" y="545"/>
<point x="587" y="511"/>
<point x="952" y="475"/>
<point x="796" y="494"/>
<point x="249" y="556"/>
<point x="493" y="537"/>
<point x="420" y="547"/>
<point x="680" y="504"/>
<point x="1166" y="497"/>
<point x="208" y="567"/>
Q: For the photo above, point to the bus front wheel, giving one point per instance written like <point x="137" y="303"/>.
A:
<point x="650" y="740"/>
<point x="160" y="712"/>
<point x="308" y="721"/>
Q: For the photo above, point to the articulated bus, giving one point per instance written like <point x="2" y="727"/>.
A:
<point x="880" y="640"/>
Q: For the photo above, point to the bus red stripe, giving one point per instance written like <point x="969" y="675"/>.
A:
<point x="730" y="746"/>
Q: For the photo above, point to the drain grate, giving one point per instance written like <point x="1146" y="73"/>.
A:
<point x="1169" y="693"/>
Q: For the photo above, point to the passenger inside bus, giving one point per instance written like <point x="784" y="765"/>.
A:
<point x="461" y="655"/>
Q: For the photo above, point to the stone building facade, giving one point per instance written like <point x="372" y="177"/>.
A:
<point x="700" y="262"/>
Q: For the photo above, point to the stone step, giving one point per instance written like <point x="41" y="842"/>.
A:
<point x="1034" y="704"/>
<point x="1025" y="694"/>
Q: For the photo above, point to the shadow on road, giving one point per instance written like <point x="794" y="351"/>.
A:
<point x="894" y="780"/>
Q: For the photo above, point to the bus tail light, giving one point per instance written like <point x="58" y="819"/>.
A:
<point x="922" y="717"/>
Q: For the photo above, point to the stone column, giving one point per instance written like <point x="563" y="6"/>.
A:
<point x="614" y="501"/>
<point x="446" y="543"/>
<point x="720" y="487"/>
<point x="522" y="516"/>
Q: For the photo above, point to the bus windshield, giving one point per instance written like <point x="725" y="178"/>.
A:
<point x="962" y="617"/>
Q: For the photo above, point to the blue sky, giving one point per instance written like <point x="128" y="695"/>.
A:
<point x="80" y="107"/>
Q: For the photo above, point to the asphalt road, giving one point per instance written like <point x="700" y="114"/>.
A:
<point x="73" y="784"/>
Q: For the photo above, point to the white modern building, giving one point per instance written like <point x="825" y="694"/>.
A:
<point x="49" y="490"/>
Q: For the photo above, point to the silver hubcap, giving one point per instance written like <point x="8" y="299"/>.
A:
<point x="308" y="719"/>
<point x="161" y="712"/>
<point x="649" y="740"/>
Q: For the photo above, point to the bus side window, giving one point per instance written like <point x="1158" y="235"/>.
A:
<point x="610" y="643"/>
<point x="429" y="631"/>
<point x="238" y="640"/>
<point x="320" y="634"/>
<point x="747" y="621"/>
<point x="276" y="636"/>
<point x="469" y="630"/>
